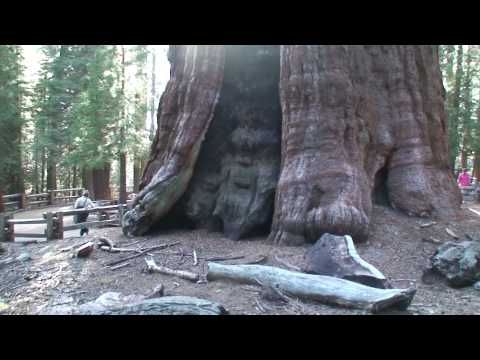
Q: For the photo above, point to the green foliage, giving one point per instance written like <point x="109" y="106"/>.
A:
<point x="12" y="93"/>
<point x="81" y="118"/>
<point x="96" y="112"/>
<point x="460" y="66"/>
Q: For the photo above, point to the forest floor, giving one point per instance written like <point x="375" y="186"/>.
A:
<point x="52" y="277"/>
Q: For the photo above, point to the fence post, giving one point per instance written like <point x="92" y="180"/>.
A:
<point x="3" y="223"/>
<point x="57" y="222"/>
<point x="120" y="214"/>
<point x="2" y="207"/>
<point x="50" y="197"/>
<point x="10" y="229"/>
<point x="49" y="231"/>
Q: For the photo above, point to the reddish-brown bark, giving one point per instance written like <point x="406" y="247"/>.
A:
<point x="358" y="123"/>
<point x="351" y="114"/>
<point x="185" y="112"/>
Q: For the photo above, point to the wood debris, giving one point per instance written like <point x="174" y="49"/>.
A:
<point x="195" y="260"/>
<point x="428" y="224"/>
<point x="187" y="275"/>
<point x="85" y="250"/>
<point x="451" y="233"/>
<point x="287" y="264"/>
<point x="120" y="266"/>
<point x="432" y="240"/>
<point x="142" y="252"/>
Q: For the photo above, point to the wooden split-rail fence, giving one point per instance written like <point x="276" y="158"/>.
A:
<point x="21" y="201"/>
<point x="54" y="222"/>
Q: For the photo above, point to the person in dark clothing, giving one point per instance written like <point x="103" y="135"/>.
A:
<point x="83" y="202"/>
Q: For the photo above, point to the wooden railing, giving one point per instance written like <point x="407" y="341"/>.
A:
<point x="21" y="201"/>
<point x="54" y="222"/>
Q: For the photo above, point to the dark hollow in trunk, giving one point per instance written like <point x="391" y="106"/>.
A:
<point x="357" y="124"/>
<point x="233" y="184"/>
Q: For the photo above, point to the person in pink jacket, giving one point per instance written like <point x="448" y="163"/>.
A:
<point x="463" y="179"/>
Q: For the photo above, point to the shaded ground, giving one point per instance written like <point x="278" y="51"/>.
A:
<point x="52" y="277"/>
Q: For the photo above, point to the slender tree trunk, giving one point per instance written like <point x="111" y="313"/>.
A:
<point x="455" y="116"/>
<point x="476" y="159"/>
<point x="467" y="107"/>
<point x="123" y="178"/>
<point x="54" y="150"/>
<point x="74" y="177"/>
<point x="68" y="180"/>
<point x="20" y="172"/>
<point x="123" y="154"/>
<point x="51" y="174"/>
<point x="476" y="165"/>
<point x="42" y="185"/>
<point x="36" y="175"/>
<point x="87" y="182"/>
<point x="154" y="95"/>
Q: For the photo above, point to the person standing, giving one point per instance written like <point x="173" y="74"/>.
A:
<point x="464" y="179"/>
<point x="83" y="202"/>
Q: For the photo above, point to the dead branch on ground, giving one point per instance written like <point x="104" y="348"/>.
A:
<point x="143" y="252"/>
<point x="153" y="267"/>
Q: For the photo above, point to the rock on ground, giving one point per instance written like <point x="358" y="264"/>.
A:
<point x="459" y="262"/>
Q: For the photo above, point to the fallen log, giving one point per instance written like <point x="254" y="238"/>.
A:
<point x="324" y="289"/>
<point x="168" y="305"/>
<point x="187" y="275"/>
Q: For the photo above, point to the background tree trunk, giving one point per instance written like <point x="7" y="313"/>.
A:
<point x="101" y="183"/>
<point x="123" y="154"/>
<point x="51" y="173"/>
<point x="455" y="111"/>
<point x="87" y="182"/>
<point x="355" y="121"/>
<point x="74" y="177"/>
<point x="42" y="182"/>
<point x="154" y="95"/>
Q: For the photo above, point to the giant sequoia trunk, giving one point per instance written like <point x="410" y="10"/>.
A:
<point x="297" y="141"/>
